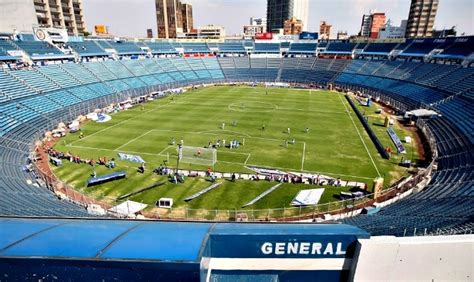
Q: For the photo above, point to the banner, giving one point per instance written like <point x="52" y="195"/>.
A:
<point x="131" y="158"/>
<point x="264" y="36"/>
<point x="308" y="35"/>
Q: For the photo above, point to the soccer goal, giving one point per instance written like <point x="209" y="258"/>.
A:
<point x="198" y="155"/>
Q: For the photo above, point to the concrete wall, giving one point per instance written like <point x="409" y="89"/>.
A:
<point x="439" y="258"/>
<point x="17" y="14"/>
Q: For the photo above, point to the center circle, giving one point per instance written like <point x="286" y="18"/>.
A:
<point x="250" y="106"/>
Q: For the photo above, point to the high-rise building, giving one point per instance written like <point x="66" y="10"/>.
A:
<point x="187" y="15"/>
<point x="324" y="30"/>
<point x="278" y="11"/>
<point x="149" y="33"/>
<point x="293" y="26"/>
<point x="61" y="14"/>
<point x="259" y="22"/>
<point x="421" y="18"/>
<point x="173" y="18"/>
<point x="22" y="15"/>
<point x="371" y="24"/>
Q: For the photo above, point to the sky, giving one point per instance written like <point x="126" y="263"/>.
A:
<point x="131" y="18"/>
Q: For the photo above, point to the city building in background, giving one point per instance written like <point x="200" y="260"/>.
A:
<point x="173" y="18"/>
<point x="257" y="25"/>
<point x="388" y="31"/>
<point x="22" y="15"/>
<point x="421" y="18"/>
<point x="251" y="30"/>
<point x="342" y="35"/>
<point x="149" y="33"/>
<point x="293" y="26"/>
<point x="371" y="24"/>
<point x="278" y="11"/>
<point x="450" y="32"/>
<point x="259" y="21"/>
<point x="207" y="32"/>
<point x="187" y="16"/>
<point x="324" y="30"/>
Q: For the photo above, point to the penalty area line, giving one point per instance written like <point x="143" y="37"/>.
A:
<point x="122" y="122"/>
<point x="302" y="157"/>
<point x="247" y="159"/>
<point x="132" y="140"/>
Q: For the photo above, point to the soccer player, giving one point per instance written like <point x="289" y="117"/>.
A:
<point x="289" y="130"/>
<point x="307" y="129"/>
<point x="263" y="127"/>
<point x="223" y="125"/>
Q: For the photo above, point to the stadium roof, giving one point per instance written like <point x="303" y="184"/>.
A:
<point x="134" y="240"/>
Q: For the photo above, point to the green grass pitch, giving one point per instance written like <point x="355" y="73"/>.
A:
<point x="336" y="144"/>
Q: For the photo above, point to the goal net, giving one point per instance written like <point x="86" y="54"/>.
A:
<point x="198" y="155"/>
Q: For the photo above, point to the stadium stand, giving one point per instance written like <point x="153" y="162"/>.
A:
<point x="379" y="48"/>
<point x="5" y="47"/>
<point x="126" y="48"/>
<point x="460" y="48"/>
<point x="303" y="48"/>
<point x="267" y="48"/>
<point x="87" y="48"/>
<point x="336" y="47"/>
<point x="234" y="48"/>
<point x="35" y="100"/>
<point x="421" y="47"/>
<point x="40" y="49"/>
<point x="161" y="48"/>
<point x="196" y="48"/>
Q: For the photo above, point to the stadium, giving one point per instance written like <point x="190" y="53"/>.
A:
<point x="252" y="160"/>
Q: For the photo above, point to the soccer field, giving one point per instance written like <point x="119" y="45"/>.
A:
<point x="335" y="145"/>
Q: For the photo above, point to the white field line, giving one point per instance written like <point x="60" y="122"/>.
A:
<point x="247" y="159"/>
<point x="164" y="150"/>
<point x="122" y="122"/>
<point x="110" y="150"/>
<point x="209" y="132"/>
<point x="302" y="158"/>
<point x="134" y="139"/>
<point x="360" y="136"/>
<point x="269" y="167"/>
<point x="311" y="111"/>
<point x="237" y="153"/>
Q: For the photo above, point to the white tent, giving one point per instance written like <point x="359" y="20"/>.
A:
<point x="128" y="208"/>
<point x="421" y="113"/>
<point x="308" y="197"/>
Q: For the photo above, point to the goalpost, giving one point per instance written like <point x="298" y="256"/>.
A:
<point x="198" y="155"/>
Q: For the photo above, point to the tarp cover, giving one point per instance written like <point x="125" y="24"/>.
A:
<point x="128" y="207"/>
<point x="308" y="197"/>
